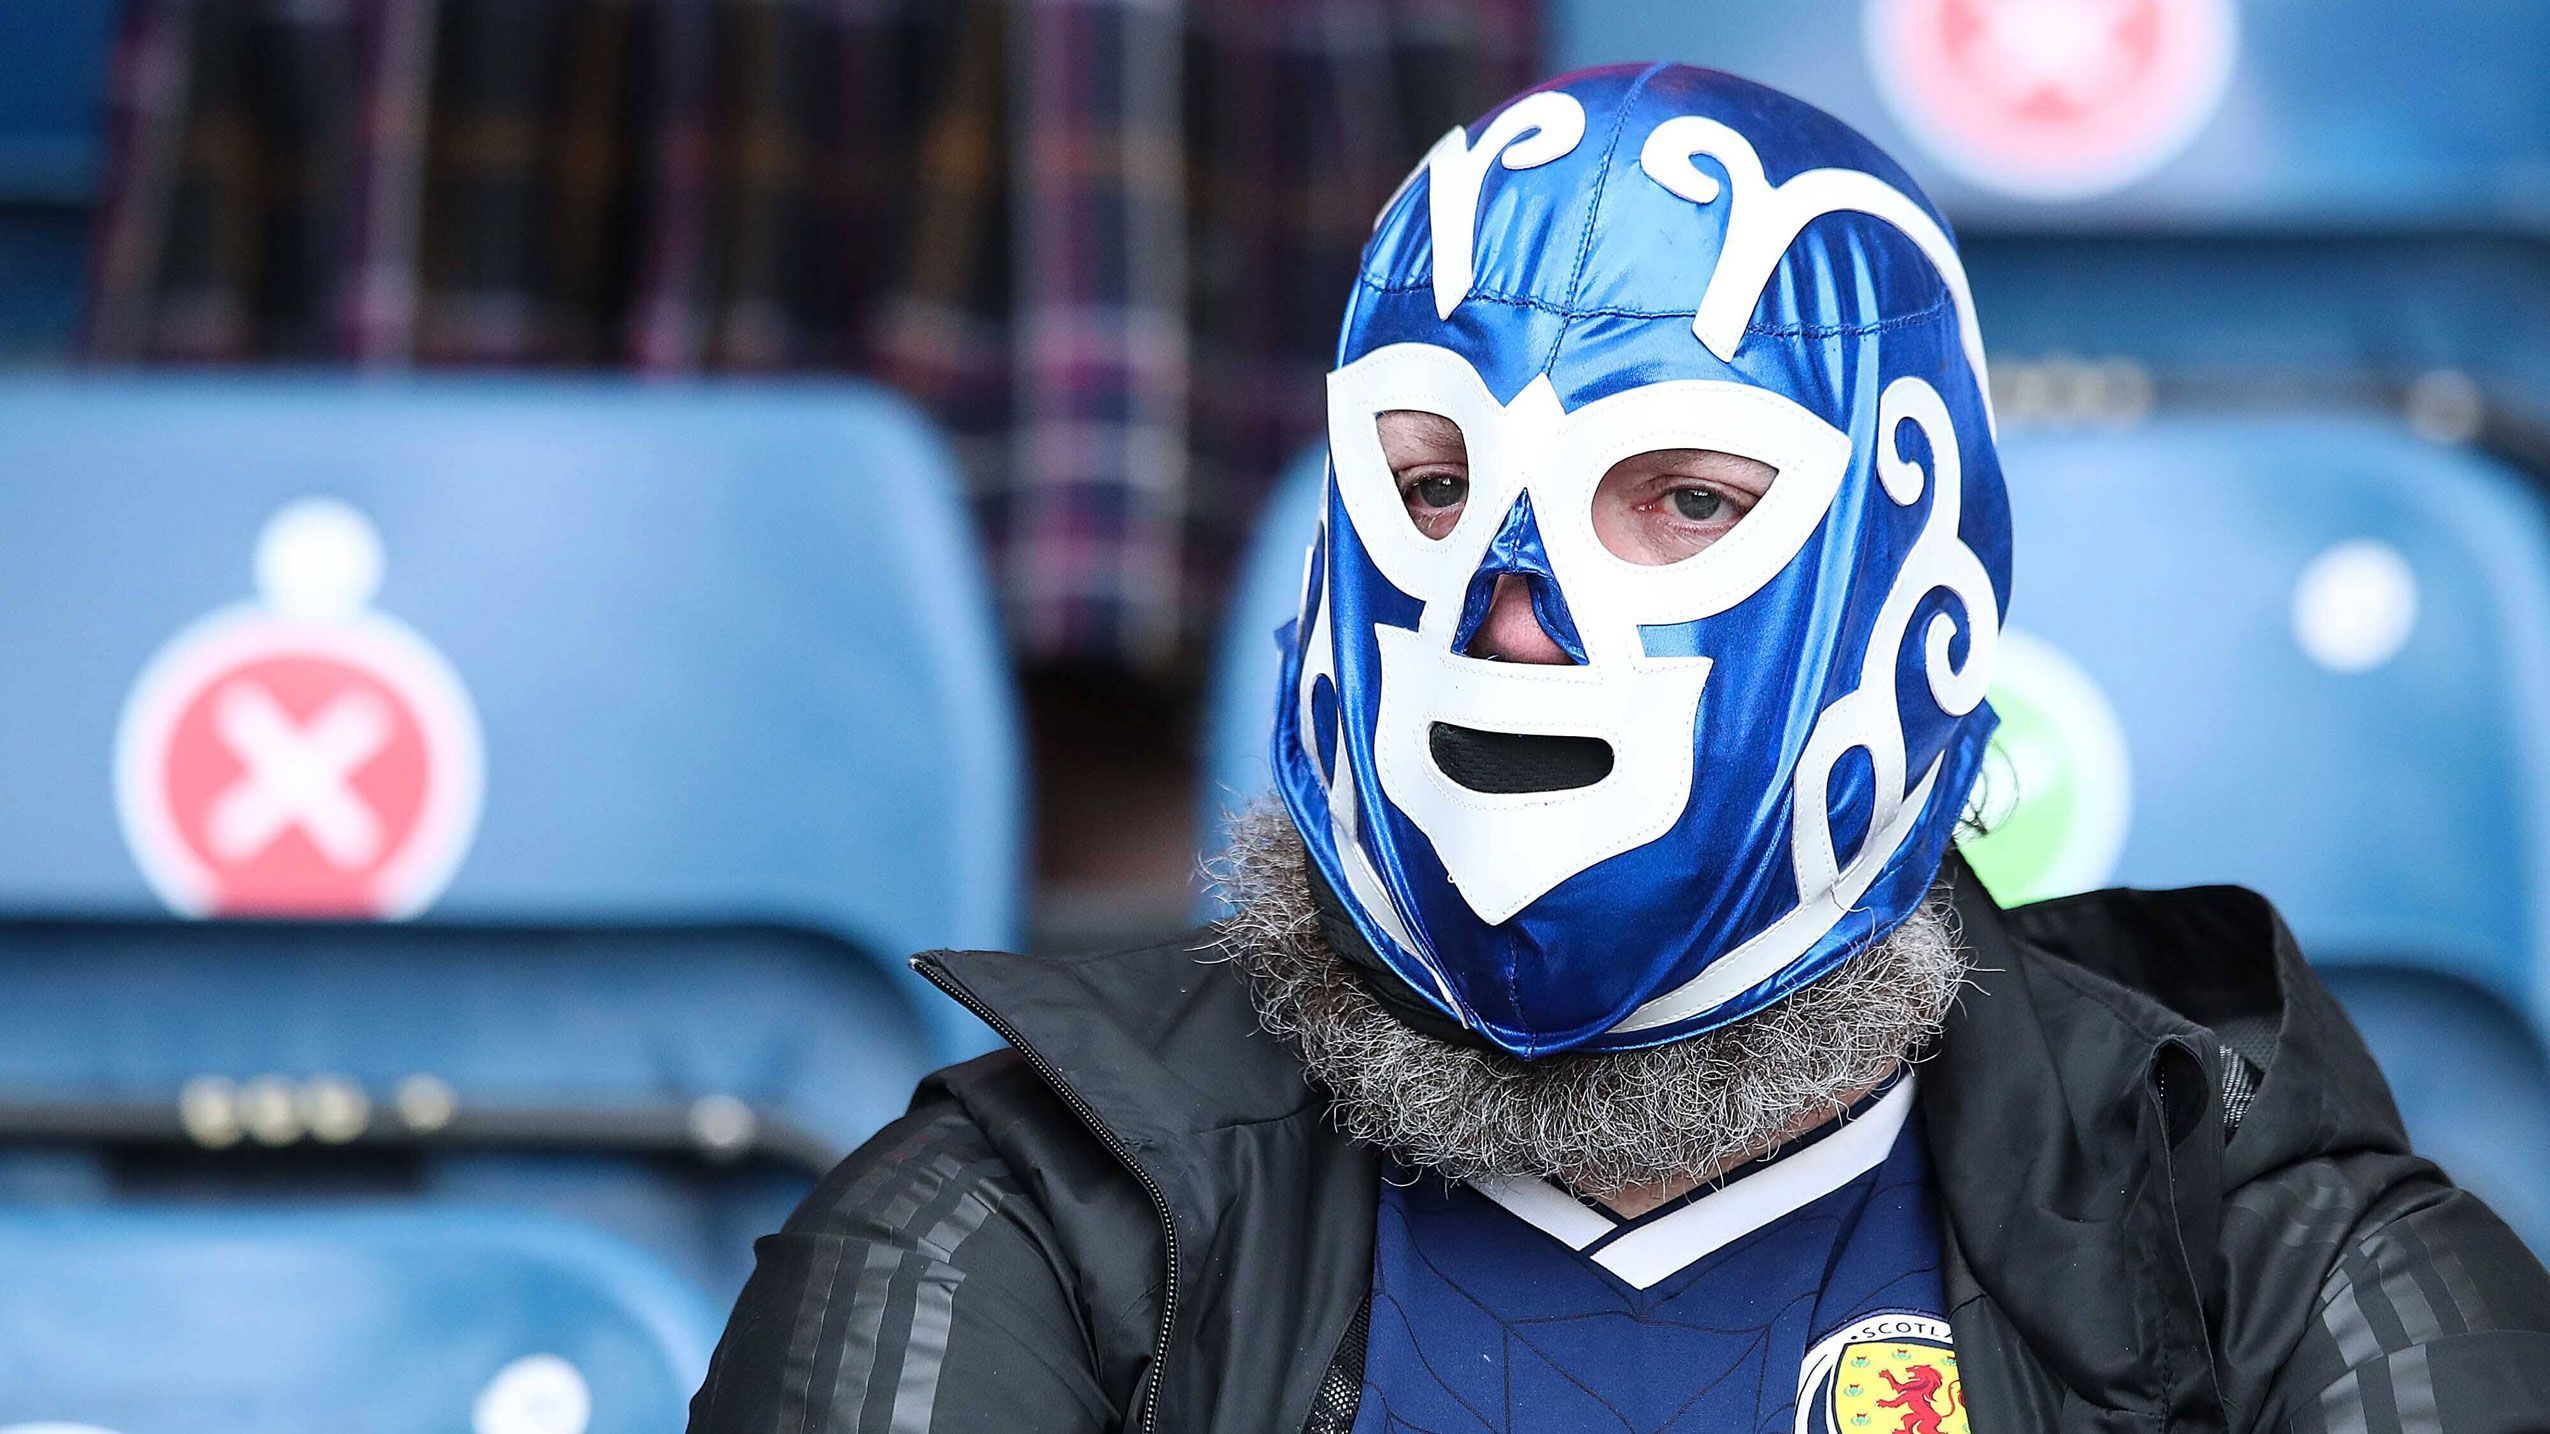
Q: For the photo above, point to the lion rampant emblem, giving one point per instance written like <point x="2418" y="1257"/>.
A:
<point x="1885" y="1374"/>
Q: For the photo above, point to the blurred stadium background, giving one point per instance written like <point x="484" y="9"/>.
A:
<point x="546" y="544"/>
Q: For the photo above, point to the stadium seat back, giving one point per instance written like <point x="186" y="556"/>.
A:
<point x="229" y="1322"/>
<point x="2260" y="321"/>
<point x="1240" y="707"/>
<point x="547" y="651"/>
<point x="53" y="66"/>
<point x="2323" y="648"/>
<point x="53" y="101"/>
<point x="790" y="1023"/>
<point x="680" y="1086"/>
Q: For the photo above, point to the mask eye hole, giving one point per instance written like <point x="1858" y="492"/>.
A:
<point x="1663" y="506"/>
<point x="1429" y="465"/>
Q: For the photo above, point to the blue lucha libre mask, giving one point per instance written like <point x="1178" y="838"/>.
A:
<point x="1754" y="762"/>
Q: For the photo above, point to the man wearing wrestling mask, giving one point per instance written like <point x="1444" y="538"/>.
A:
<point x="1609" y="1036"/>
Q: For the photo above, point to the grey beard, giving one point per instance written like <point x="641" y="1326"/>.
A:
<point x="1599" y="1122"/>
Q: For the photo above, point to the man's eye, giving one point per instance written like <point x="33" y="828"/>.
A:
<point x="1698" y="505"/>
<point x="1439" y="490"/>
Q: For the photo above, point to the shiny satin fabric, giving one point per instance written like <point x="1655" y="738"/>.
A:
<point x="1621" y="261"/>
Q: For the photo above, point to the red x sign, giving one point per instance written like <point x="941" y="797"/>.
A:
<point x="300" y="756"/>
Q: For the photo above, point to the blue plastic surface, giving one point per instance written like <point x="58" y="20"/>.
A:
<point x="2394" y="814"/>
<point x="1247" y="662"/>
<point x="53" y="99"/>
<point x="730" y="646"/>
<point x="53" y="67"/>
<point x="2399" y="815"/>
<point x="2237" y="320"/>
<point x="221" y="1322"/>
<point x="43" y="257"/>
<point x="2460" y="133"/>
<point x="576" y="1030"/>
<point x="791" y="1023"/>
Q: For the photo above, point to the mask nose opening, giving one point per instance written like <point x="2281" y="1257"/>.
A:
<point x="1513" y="609"/>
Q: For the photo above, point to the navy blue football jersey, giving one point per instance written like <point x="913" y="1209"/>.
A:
<point x="1798" y="1295"/>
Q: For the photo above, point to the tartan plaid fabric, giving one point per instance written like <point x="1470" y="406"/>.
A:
<point x="1303" y="117"/>
<point x="394" y="48"/>
<point x="1101" y="345"/>
<point x="1103" y="241"/>
<point x="941" y="325"/>
<point x="231" y="127"/>
<point x="523" y="177"/>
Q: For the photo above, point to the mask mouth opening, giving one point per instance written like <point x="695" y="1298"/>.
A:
<point x="1513" y="763"/>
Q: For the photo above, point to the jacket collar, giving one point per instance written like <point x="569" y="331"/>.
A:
<point x="1161" y="1043"/>
<point x="2220" y="957"/>
<point x="2074" y="1114"/>
<point x="2069" y="1004"/>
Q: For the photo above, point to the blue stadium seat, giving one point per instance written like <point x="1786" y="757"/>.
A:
<point x="1240" y="708"/>
<point x="53" y="64"/>
<point x="224" y="1322"/>
<point x="729" y="647"/>
<point x="2328" y="646"/>
<point x="2470" y="1078"/>
<point x="2324" y="649"/>
<point x="2263" y="322"/>
<point x="674" y="714"/>
<point x="680" y="1086"/>
<point x="2460" y="138"/>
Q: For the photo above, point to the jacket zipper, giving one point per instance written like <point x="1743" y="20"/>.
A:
<point x="1089" y="1117"/>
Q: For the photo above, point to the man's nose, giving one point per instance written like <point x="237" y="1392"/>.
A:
<point x="1512" y="632"/>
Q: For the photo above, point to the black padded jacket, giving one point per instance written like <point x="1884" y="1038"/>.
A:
<point x="2175" y="1195"/>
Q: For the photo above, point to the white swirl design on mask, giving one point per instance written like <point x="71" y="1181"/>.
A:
<point x="1529" y="133"/>
<point x="1763" y="219"/>
<point x="1866" y="718"/>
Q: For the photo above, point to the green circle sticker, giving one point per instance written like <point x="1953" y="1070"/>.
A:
<point x="2055" y="795"/>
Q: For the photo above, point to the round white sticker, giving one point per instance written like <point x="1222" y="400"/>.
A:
<point x="536" y="1394"/>
<point x="2355" y="605"/>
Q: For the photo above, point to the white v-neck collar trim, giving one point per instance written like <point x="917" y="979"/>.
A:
<point x="1651" y="1252"/>
<point x="1544" y="1206"/>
